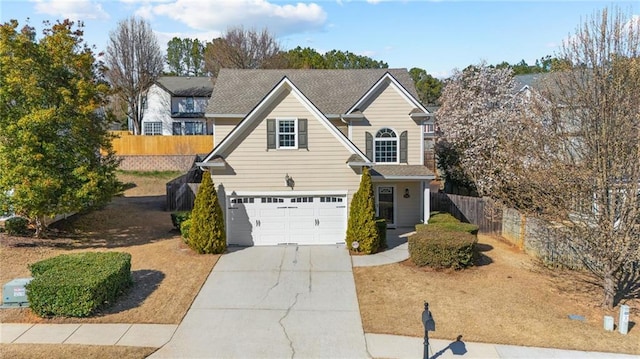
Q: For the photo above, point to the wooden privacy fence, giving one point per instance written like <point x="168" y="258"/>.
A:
<point x="479" y="211"/>
<point x="181" y="191"/>
<point x="128" y="144"/>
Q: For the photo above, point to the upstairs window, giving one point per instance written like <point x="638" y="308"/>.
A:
<point x="286" y="133"/>
<point x="188" y="104"/>
<point x="429" y="128"/>
<point x="386" y="146"/>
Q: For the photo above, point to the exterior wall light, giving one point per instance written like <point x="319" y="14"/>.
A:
<point x="288" y="181"/>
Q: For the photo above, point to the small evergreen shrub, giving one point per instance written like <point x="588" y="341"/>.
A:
<point x="362" y="227"/>
<point x="184" y="230"/>
<point x="446" y="221"/>
<point x="439" y="248"/>
<point x="442" y="217"/>
<point x="381" y="225"/>
<point x="177" y="218"/>
<point x="76" y="285"/>
<point x="207" y="233"/>
<point x="444" y="243"/>
<point x="16" y="226"/>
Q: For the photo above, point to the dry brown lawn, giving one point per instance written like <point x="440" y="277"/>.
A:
<point x="65" y="351"/>
<point x="510" y="299"/>
<point x="167" y="274"/>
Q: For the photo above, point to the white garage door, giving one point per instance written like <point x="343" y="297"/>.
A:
<point x="270" y="220"/>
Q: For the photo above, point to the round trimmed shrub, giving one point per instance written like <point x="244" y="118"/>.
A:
<point x="16" y="226"/>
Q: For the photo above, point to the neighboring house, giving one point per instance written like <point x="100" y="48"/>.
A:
<point x="291" y="145"/>
<point x="176" y="106"/>
<point x="430" y="138"/>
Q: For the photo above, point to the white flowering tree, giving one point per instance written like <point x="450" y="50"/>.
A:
<point x="478" y="117"/>
<point x="567" y="153"/>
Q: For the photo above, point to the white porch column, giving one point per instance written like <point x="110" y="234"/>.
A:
<point x="426" y="200"/>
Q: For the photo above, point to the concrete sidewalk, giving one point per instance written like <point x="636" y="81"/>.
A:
<point x="378" y="345"/>
<point x="398" y="347"/>
<point x="397" y="251"/>
<point x="136" y="335"/>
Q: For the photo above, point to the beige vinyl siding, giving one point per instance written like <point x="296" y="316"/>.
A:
<point x="342" y="127"/>
<point x="409" y="211"/>
<point x="321" y="167"/>
<point x="223" y="126"/>
<point x="389" y="108"/>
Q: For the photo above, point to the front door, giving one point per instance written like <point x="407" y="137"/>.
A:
<point x="385" y="204"/>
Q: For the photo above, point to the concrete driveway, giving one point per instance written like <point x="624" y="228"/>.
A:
<point x="274" y="302"/>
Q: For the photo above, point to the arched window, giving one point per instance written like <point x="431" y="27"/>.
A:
<point x="386" y="146"/>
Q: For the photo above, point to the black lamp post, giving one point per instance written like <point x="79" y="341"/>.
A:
<point x="429" y="326"/>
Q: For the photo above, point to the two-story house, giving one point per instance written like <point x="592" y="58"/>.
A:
<point x="176" y="106"/>
<point x="291" y="145"/>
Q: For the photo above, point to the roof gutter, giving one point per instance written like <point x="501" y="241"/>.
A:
<point x="360" y="164"/>
<point x="421" y="115"/>
<point x="225" y="115"/>
<point x="211" y="164"/>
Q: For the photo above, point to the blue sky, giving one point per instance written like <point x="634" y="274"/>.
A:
<point x="437" y="36"/>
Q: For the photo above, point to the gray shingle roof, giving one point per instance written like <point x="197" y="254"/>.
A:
<point x="530" y="80"/>
<point x="237" y="91"/>
<point x="186" y="86"/>
<point x="397" y="171"/>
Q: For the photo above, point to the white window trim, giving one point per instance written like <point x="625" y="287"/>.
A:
<point x="377" y="139"/>
<point x="189" y="100"/>
<point x="295" y="134"/>
<point x="152" y="124"/>
<point x="395" y="203"/>
<point x="433" y="128"/>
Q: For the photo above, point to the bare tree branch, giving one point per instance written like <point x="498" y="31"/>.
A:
<point x="244" y="49"/>
<point x="567" y="152"/>
<point x="134" y="62"/>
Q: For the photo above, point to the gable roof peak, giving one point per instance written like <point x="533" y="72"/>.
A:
<point x="285" y="84"/>
<point x="346" y="87"/>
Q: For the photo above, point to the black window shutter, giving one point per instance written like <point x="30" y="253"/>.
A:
<point x="403" y="147"/>
<point x="271" y="134"/>
<point x="369" y="145"/>
<point x="302" y="133"/>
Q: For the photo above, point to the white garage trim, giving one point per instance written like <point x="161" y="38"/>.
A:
<point x="286" y="193"/>
<point x="286" y="217"/>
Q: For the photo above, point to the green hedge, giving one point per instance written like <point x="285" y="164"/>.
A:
<point x="184" y="230"/>
<point x="177" y="218"/>
<point x="16" y="226"/>
<point x="442" y="217"/>
<point x="381" y="225"/>
<point x="442" y="248"/>
<point x="444" y="243"/>
<point x="76" y="285"/>
<point x="447" y="222"/>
